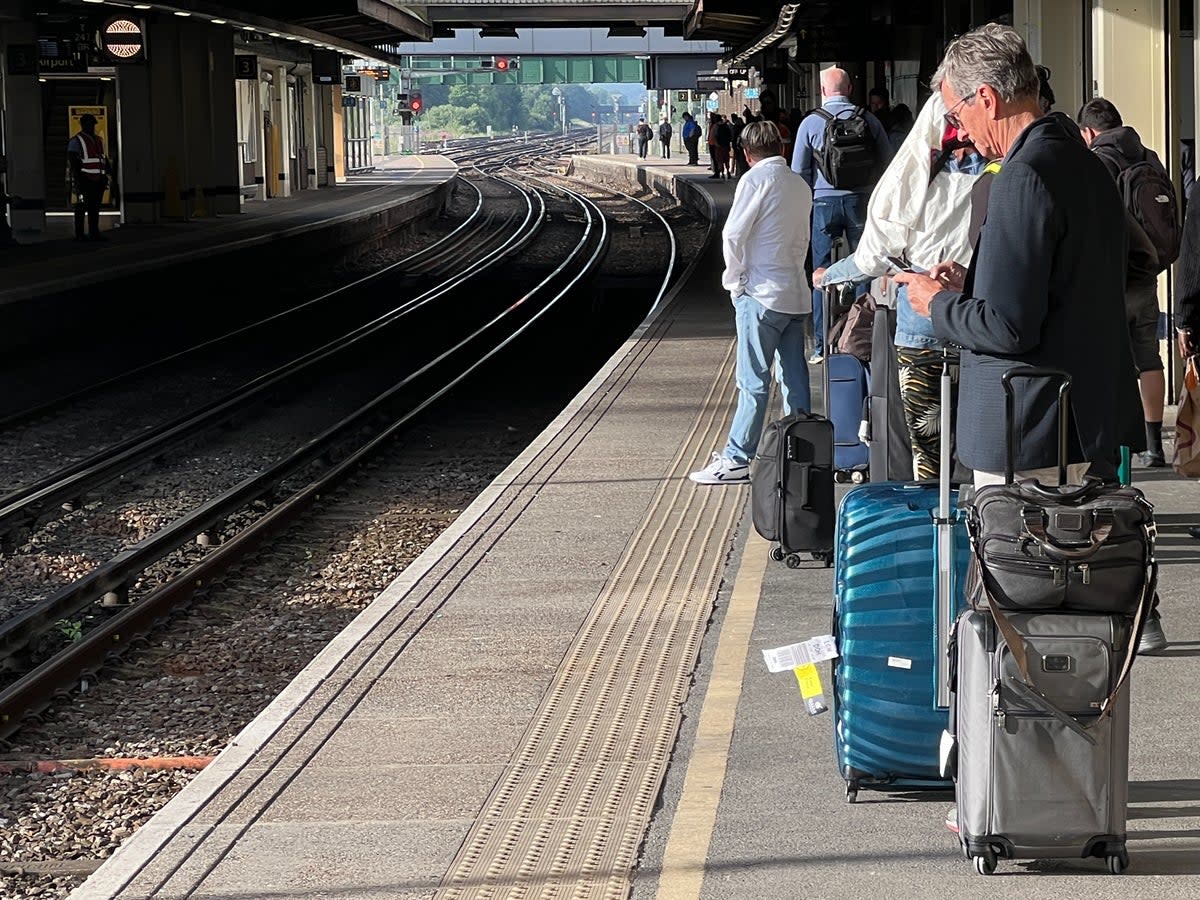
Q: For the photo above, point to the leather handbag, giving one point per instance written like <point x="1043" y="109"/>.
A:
<point x="1072" y="548"/>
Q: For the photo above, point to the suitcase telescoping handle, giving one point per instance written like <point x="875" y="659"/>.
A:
<point x="944" y="532"/>
<point x="1010" y="437"/>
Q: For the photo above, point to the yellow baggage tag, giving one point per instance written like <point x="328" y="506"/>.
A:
<point x="809" y="680"/>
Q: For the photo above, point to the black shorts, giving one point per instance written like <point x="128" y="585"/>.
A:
<point x="1141" y="312"/>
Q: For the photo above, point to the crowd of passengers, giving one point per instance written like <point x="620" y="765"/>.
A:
<point x="1016" y="247"/>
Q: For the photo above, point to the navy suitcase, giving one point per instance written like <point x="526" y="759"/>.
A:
<point x="845" y="393"/>
<point x="901" y="554"/>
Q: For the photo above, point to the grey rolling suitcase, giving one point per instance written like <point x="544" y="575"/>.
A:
<point x="1040" y="715"/>
<point x="1042" y="776"/>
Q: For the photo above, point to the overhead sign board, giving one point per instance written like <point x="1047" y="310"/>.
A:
<point x="711" y="105"/>
<point x="737" y="73"/>
<point x="750" y="93"/>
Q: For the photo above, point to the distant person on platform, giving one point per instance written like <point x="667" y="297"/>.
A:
<point x="664" y="136"/>
<point x="765" y="241"/>
<point x="643" y="137"/>
<point x="879" y="102"/>
<point x="691" y="138"/>
<point x="89" y="176"/>
<point x="841" y="182"/>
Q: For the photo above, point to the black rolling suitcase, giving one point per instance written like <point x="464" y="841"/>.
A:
<point x="890" y="450"/>
<point x="791" y="485"/>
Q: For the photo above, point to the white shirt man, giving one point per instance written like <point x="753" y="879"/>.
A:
<point x="765" y="241"/>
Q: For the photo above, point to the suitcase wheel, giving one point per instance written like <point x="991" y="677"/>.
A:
<point x="777" y="554"/>
<point x="858" y="477"/>
<point x="841" y="477"/>
<point x="985" y="863"/>
<point x="851" y="791"/>
<point x="825" y="556"/>
<point x="793" y="560"/>
<point x="1118" y="863"/>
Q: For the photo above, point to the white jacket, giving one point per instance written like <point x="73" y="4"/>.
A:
<point x="908" y="216"/>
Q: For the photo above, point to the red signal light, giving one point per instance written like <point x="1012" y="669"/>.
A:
<point x="415" y="103"/>
<point x="501" y="64"/>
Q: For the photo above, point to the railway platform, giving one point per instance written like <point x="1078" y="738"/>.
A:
<point x="399" y="191"/>
<point x="564" y="696"/>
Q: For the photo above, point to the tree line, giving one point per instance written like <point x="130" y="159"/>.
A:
<point x="465" y="109"/>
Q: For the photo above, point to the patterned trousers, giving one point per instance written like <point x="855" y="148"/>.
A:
<point x="921" y="396"/>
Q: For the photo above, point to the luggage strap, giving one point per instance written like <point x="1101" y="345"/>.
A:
<point x="1016" y="646"/>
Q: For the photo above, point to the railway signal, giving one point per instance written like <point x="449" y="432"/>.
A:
<point x="415" y="102"/>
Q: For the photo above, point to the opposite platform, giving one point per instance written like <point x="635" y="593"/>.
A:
<point x="401" y="190"/>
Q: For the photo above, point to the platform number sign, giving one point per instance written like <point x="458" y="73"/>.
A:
<point x="245" y="66"/>
<point x="22" y="59"/>
<point x="124" y="39"/>
<point x="353" y="84"/>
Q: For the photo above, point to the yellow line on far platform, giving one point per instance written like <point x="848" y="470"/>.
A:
<point x="696" y="813"/>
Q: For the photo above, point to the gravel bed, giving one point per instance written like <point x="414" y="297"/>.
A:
<point x="203" y="675"/>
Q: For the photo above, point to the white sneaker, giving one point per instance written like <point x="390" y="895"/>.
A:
<point x="816" y="359"/>
<point x="722" y="470"/>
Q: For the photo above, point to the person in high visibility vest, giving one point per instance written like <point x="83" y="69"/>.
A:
<point x="89" y="176"/>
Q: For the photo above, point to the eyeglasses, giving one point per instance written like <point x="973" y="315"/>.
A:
<point x="952" y="118"/>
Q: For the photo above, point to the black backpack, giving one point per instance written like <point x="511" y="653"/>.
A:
<point x="1149" y="196"/>
<point x="848" y="157"/>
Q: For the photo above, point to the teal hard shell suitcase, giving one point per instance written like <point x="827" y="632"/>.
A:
<point x="888" y="721"/>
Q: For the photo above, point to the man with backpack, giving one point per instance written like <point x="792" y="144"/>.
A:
<point x="643" y="137"/>
<point x="1152" y="220"/>
<point x="664" y="136"/>
<point x="841" y="150"/>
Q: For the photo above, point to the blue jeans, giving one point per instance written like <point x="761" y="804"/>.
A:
<point x="764" y="335"/>
<point x="832" y="218"/>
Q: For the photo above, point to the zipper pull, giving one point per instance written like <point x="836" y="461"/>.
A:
<point x="1086" y="571"/>
<point x="997" y="709"/>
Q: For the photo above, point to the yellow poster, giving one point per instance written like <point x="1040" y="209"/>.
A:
<point x="74" y="114"/>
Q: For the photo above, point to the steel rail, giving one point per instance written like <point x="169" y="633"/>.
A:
<point x="36" y="502"/>
<point x="35" y="690"/>
<point x="405" y="263"/>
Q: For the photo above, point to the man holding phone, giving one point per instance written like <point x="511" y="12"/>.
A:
<point x="1037" y="293"/>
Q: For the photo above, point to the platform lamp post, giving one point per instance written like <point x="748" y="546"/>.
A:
<point x="562" y="108"/>
<point x="616" y="99"/>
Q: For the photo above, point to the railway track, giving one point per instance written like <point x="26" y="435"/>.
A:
<point x="242" y="517"/>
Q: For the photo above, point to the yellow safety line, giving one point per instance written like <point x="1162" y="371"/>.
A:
<point x="696" y="813"/>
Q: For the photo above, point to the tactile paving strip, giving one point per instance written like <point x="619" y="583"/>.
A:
<point x="568" y="817"/>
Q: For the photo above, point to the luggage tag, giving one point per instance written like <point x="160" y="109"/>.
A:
<point x="810" y="688"/>
<point x="801" y="659"/>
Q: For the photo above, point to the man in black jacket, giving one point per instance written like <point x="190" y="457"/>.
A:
<point x="1120" y="147"/>
<point x="1046" y="284"/>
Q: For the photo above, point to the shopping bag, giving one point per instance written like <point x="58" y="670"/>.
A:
<point x="1187" y="424"/>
